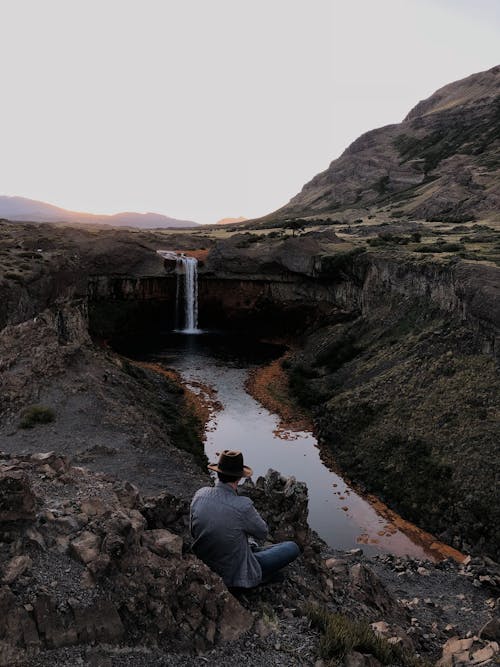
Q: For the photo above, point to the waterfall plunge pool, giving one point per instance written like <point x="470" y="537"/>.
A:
<point x="221" y="363"/>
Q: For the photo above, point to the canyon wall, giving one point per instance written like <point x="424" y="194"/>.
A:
<point x="374" y="285"/>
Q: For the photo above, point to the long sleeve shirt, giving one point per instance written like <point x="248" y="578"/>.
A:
<point x="221" y="522"/>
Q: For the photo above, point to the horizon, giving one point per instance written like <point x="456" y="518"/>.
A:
<point x="224" y="112"/>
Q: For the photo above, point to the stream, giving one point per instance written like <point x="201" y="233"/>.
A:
<point x="217" y="365"/>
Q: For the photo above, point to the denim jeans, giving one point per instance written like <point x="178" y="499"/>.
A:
<point x="272" y="559"/>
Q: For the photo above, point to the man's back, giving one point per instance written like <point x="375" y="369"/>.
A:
<point x="221" y="522"/>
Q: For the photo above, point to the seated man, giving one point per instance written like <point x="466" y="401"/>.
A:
<point x="221" y="523"/>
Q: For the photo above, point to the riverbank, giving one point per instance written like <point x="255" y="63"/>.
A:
<point x="409" y="410"/>
<point x="270" y="385"/>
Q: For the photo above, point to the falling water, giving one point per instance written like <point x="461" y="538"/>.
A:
<point x="186" y="296"/>
<point x="187" y="277"/>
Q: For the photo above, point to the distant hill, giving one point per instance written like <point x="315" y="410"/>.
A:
<point x="230" y="221"/>
<point x="30" y="210"/>
<point x="442" y="162"/>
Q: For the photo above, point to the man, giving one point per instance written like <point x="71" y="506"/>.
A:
<point x="222" y="522"/>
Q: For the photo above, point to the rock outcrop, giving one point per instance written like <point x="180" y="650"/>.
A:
<point x="94" y="569"/>
<point x="83" y="566"/>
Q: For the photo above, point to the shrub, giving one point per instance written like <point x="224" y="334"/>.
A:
<point x="381" y="185"/>
<point x="36" y="414"/>
<point x="331" y="265"/>
<point x="387" y="238"/>
<point x="440" y="246"/>
<point x="340" y="634"/>
<point x="247" y="240"/>
<point x="14" y="275"/>
<point x="296" y="226"/>
<point x="455" y="218"/>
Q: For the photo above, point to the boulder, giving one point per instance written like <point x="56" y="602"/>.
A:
<point x="486" y="653"/>
<point x="235" y="620"/>
<point x="86" y="547"/>
<point x="162" y="542"/>
<point x="283" y="503"/>
<point x="54" y="629"/>
<point x="356" y="659"/>
<point x="491" y="630"/>
<point x="18" y="633"/>
<point x="17" y="500"/>
<point x="365" y="586"/>
<point x="15" y="567"/>
<point x="97" y="622"/>
<point x="165" y="511"/>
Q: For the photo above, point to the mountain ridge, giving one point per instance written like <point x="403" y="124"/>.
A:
<point x="17" y="208"/>
<point x="441" y="161"/>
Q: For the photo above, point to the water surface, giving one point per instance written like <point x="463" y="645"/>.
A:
<point x="343" y="518"/>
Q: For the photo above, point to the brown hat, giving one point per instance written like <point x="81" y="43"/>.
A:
<point x="231" y="464"/>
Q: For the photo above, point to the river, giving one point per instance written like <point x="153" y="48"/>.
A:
<point x="217" y="365"/>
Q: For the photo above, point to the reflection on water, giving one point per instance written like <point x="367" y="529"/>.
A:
<point x="340" y="516"/>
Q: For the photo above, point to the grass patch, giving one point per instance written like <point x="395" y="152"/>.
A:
<point x="406" y="470"/>
<point x="186" y="435"/>
<point x="183" y="425"/>
<point x="340" y="634"/>
<point x="36" y="414"/>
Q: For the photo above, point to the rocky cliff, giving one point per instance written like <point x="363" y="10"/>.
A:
<point x="440" y="162"/>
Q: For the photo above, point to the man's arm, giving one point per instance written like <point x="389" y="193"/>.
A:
<point x="253" y="523"/>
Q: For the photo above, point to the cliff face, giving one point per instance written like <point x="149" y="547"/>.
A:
<point x="40" y="263"/>
<point x="320" y="272"/>
<point x="440" y="162"/>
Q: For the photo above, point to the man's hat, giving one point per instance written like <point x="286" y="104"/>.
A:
<point x="231" y="464"/>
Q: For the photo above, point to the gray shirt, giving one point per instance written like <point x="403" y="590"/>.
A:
<point x="221" y="522"/>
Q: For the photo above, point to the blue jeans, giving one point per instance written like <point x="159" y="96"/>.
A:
<point x="272" y="559"/>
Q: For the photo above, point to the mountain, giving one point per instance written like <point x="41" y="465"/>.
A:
<point x="20" y="208"/>
<point x="230" y="221"/>
<point x="442" y="162"/>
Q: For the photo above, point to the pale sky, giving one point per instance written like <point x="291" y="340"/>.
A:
<point x="202" y="109"/>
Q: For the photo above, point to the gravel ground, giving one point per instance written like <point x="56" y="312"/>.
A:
<point x="292" y="643"/>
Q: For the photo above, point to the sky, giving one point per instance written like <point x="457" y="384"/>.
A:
<point x="203" y="109"/>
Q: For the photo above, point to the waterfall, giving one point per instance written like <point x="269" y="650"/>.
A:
<point x="187" y="273"/>
<point x="186" y="295"/>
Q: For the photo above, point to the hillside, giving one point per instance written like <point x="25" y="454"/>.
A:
<point x="442" y="162"/>
<point x="21" y="208"/>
